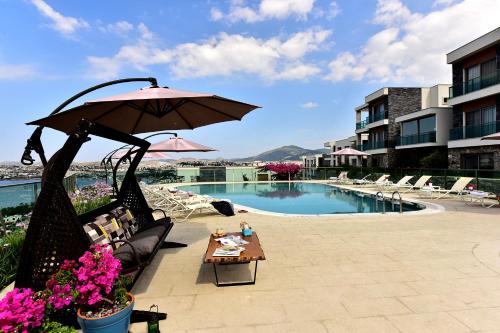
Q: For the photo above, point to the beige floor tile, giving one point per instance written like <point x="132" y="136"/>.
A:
<point x="432" y="303"/>
<point x="374" y="307"/>
<point x="296" y="327"/>
<point x="479" y="319"/>
<point x="428" y="322"/>
<point x="360" y="325"/>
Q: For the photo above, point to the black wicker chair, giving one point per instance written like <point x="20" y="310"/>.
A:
<point x="55" y="232"/>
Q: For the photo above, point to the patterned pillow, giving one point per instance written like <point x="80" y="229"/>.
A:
<point x="126" y="220"/>
<point x="104" y="229"/>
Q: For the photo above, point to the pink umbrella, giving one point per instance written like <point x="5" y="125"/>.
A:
<point x="495" y="136"/>
<point x="176" y="144"/>
<point x="158" y="155"/>
<point x="150" y="110"/>
<point x="349" y="152"/>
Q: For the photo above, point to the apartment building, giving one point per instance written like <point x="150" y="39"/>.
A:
<point x="337" y="145"/>
<point x="426" y="132"/>
<point x="475" y="99"/>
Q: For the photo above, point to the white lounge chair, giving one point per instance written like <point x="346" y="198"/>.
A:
<point x="457" y="188"/>
<point x="184" y="208"/>
<point x="384" y="179"/>
<point x="362" y="180"/>
<point x="396" y="186"/>
<point x="418" y="184"/>
<point x="342" y="176"/>
<point x="481" y="196"/>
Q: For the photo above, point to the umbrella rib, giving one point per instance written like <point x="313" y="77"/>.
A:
<point x="213" y="109"/>
<point x="109" y="111"/>
<point x="174" y="109"/>
<point x="139" y="118"/>
<point x="170" y="108"/>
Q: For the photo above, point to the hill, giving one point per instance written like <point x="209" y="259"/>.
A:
<point x="285" y="153"/>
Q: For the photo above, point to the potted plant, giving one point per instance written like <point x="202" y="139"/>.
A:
<point x="93" y="285"/>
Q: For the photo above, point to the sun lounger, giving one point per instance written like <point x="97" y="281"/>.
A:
<point x="457" y="188"/>
<point x="362" y="180"/>
<point x="384" y="179"/>
<point x="481" y="196"/>
<point x="395" y="186"/>
<point x="418" y="184"/>
<point x="340" y="178"/>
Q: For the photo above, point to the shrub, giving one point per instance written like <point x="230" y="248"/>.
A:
<point x="283" y="170"/>
<point x="10" y="251"/>
<point x="91" y="197"/>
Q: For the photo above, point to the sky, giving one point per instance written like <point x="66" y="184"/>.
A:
<point x="308" y="63"/>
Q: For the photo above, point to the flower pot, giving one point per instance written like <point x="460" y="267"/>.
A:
<point x="118" y="322"/>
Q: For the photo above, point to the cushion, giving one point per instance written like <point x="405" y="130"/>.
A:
<point x="104" y="229"/>
<point x="143" y="245"/>
<point x="126" y="220"/>
<point x="154" y="231"/>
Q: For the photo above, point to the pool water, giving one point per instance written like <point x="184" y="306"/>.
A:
<point x="298" y="198"/>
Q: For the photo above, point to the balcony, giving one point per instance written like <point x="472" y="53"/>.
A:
<point x="362" y="124"/>
<point x="375" y="117"/>
<point x="371" y="145"/>
<point x="417" y="138"/>
<point x="475" y="84"/>
<point x="370" y="119"/>
<point x="474" y="131"/>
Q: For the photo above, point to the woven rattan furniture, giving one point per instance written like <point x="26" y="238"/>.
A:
<point x="253" y="252"/>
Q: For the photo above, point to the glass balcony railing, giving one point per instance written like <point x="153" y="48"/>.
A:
<point x="361" y="124"/>
<point x="376" y="117"/>
<point x="474" y="131"/>
<point x="475" y="84"/>
<point x="370" y="145"/>
<point x="417" y="138"/>
<point x="370" y="119"/>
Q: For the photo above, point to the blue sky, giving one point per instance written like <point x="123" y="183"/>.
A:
<point x="307" y="63"/>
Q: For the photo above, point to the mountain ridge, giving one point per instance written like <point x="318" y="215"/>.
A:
<point x="283" y="153"/>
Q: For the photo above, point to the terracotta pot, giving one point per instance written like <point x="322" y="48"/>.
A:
<point x="118" y="322"/>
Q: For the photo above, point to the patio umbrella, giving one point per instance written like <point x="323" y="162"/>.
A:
<point x="351" y="152"/>
<point x="178" y="145"/>
<point x="495" y="136"/>
<point x="149" y="110"/>
<point x="160" y="155"/>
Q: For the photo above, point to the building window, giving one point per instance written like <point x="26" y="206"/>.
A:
<point x="477" y="161"/>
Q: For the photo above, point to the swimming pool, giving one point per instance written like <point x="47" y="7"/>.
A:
<point x="298" y="198"/>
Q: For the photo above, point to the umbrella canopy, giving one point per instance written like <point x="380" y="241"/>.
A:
<point x="149" y="110"/>
<point x="349" y="152"/>
<point x="495" y="136"/>
<point x="177" y="144"/>
<point x="159" y="155"/>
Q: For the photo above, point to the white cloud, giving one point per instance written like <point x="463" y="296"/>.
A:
<point x="438" y="3"/>
<point x="267" y="9"/>
<point x="66" y="25"/>
<point x="334" y="10"/>
<point x="309" y="105"/>
<point x="412" y="47"/>
<point x="120" y="28"/>
<point x="16" y="72"/>
<point x="221" y="55"/>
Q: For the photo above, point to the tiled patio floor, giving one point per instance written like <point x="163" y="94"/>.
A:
<point x="428" y="273"/>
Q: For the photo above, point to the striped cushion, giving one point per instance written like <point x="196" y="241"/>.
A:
<point x="126" y="220"/>
<point x="104" y="229"/>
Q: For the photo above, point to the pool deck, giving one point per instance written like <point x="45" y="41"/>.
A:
<point x="437" y="272"/>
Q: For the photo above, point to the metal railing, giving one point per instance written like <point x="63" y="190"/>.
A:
<point x="371" y="145"/>
<point x="474" y="131"/>
<point x="376" y="116"/>
<point x="362" y="124"/>
<point x="475" y="84"/>
<point x="417" y="138"/>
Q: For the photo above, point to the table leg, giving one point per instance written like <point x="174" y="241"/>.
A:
<point x="244" y="283"/>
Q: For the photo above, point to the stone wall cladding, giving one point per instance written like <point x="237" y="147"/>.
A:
<point x="400" y="102"/>
<point x="455" y="153"/>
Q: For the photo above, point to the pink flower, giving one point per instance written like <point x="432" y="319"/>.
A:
<point x="20" y="311"/>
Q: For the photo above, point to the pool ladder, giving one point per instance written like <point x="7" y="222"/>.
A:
<point x="380" y="197"/>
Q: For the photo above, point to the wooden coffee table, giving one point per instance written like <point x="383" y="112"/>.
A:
<point x="253" y="252"/>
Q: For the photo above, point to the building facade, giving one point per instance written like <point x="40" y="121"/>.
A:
<point x="475" y="98"/>
<point x="337" y="145"/>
